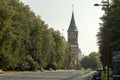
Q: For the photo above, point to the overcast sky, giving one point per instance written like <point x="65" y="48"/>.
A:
<point x="57" y="14"/>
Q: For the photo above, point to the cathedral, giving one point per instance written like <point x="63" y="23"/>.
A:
<point x="73" y="41"/>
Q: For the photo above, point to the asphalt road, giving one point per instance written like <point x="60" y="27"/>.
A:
<point x="49" y="75"/>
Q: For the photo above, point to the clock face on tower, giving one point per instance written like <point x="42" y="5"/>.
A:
<point x="73" y="35"/>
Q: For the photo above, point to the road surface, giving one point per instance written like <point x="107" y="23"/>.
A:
<point x="49" y="75"/>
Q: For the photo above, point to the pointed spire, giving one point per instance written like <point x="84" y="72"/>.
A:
<point x="72" y="26"/>
<point x="72" y="8"/>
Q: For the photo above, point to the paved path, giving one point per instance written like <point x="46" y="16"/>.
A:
<point x="54" y="75"/>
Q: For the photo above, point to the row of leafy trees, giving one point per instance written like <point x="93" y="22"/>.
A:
<point x="92" y="61"/>
<point x="26" y="42"/>
<point x="109" y="33"/>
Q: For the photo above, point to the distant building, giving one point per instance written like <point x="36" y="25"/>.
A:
<point x="73" y="41"/>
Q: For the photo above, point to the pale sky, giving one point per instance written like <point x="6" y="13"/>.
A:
<point x="57" y="14"/>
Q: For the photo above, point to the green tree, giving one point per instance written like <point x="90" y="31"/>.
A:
<point x="26" y="42"/>
<point x="108" y="35"/>
<point x="92" y="61"/>
<point x="85" y="62"/>
<point x="6" y="35"/>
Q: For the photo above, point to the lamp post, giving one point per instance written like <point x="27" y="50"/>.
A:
<point x="106" y="3"/>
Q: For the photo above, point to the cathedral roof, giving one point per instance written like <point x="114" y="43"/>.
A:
<point x="72" y="26"/>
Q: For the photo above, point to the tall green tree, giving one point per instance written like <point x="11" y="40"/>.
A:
<point x="6" y="35"/>
<point x="26" y="42"/>
<point x="108" y="35"/>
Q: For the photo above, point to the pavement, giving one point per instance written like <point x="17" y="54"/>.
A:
<point x="49" y="75"/>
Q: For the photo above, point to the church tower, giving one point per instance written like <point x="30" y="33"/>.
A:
<point x="73" y="41"/>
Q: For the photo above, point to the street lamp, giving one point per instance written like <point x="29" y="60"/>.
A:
<point x="106" y="4"/>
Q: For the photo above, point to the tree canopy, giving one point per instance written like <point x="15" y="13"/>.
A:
<point x="91" y="61"/>
<point x="26" y="42"/>
<point x="109" y="33"/>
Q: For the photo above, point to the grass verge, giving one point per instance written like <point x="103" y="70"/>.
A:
<point x="104" y="75"/>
